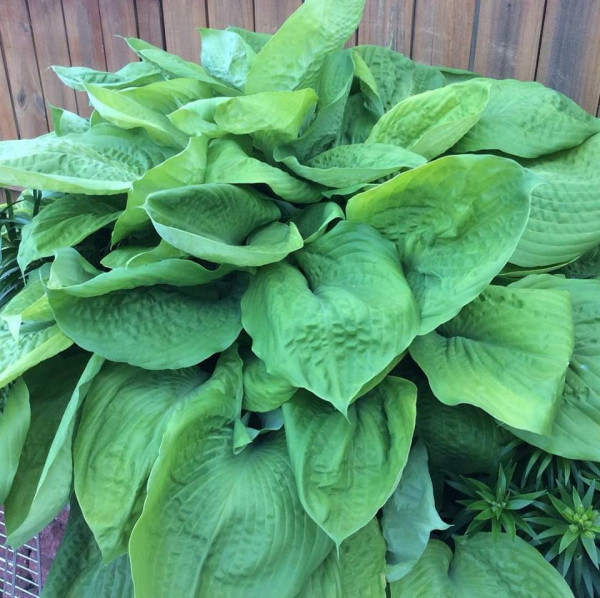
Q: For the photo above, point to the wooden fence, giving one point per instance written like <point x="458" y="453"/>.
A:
<point x="556" y="42"/>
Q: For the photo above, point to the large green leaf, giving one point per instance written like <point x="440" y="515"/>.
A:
<point x="78" y="571"/>
<point x="134" y="74"/>
<point x="529" y="120"/>
<point x="220" y="524"/>
<point x="347" y="466"/>
<point x="455" y="223"/>
<point x="226" y="56"/>
<point x="577" y="420"/>
<point x="409" y="516"/>
<point x="221" y="223"/>
<point x="198" y="118"/>
<point x="175" y="66"/>
<point x="336" y="322"/>
<point x="293" y="57"/>
<point x="228" y="162"/>
<point x="37" y="342"/>
<point x="482" y="566"/>
<point x="122" y="424"/>
<point x="432" y="122"/>
<point x="42" y="484"/>
<point x="186" y="168"/>
<point x="565" y="207"/>
<point x="195" y="322"/>
<point x="506" y="352"/>
<point x="64" y="223"/>
<point x="459" y="438"/>
<point x="102" y="161"/>
<point x="396" y="77"/>
<point x="356" y="572"/>
<point x="272" y="117"/>
<point x="79" y="278"/>
<point x="126" y="112"/>
<point x="333" y="88"/>
<point x="347" y="165"/>
<point x="15" y="416"/>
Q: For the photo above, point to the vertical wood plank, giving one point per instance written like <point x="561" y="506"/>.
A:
<point x="150" y="21"/>
<point x="118" y="18"/>
<point x="239" y="13"/>
<point x="269" y="15"/>
<point x="182" y="18"/>
<point x="388" y="21"/>
<point x="8" y="127"/>
<point x="84" y="35"/>
<point x="570" y="49"/>
<point x="49" y="33"/>
<point x="443" y="31"/>
<point x="22" y="68"/>
<point x="508" y="38"/>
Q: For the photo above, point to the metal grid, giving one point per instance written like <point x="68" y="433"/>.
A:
<point x="20" y="571"/>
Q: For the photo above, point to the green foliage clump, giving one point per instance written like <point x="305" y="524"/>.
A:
<point x="255" y="310"/>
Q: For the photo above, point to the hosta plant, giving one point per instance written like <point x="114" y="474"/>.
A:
<point x="260" y="291"/>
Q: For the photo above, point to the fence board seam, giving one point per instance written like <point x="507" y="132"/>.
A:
<point x="102" y="33"/>
<point x="413" y="26"/>
<point x="10" y="91"/>
<point x="37" y="63"/>
<point x="62" y="10"/>
<point x="474" y="35"/>
<point x="137" y="21"/>
<point x="537" y="60"/>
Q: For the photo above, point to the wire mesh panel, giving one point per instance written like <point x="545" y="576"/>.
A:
<point x="20" y="571"/>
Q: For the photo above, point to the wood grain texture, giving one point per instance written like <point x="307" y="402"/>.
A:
<point x="150" y="21"/>
<point x="118" y="18"/>
<point x="49" y="32"/>
<point x="8" y="127"/>
<point x="239" y="13"/>
<point x="86" y="44"/>
<point x="443" y="31"/>
<point x="387" y="22"/>
<point x="570" y="49"/>
<point x="181" y="19"/>
<point x="22" y="68"/>
<point x="508" y="38"/>
<point x="269" y="15"/>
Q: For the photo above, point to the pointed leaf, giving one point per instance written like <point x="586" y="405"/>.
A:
<point x="506" y="352"/>
<point x="360" y="306"/>
<point x="293" y="57"/>
<point x="124" y="418"/>
<point x="432" y="122"/>
<point x="252" y="538"/>
<point x="196" y="322"/>
<point x="63" y="223"/>
<point x="348" y="165"/>
<point x="103" y="161"/>
<point x="577" y="419"/>
<point x="455" y="223"/>
<point x="529" y="120"/>
<point x="193" y="220"/>
<point x="65" y="122"/>
<point x="42" y="484"/>
<point x="134" y="74"/>
<point x="14" y="424"/>
<point x="409" y="516"/>
<point x="229" y="163"/>
<point x="346" y="467"/>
